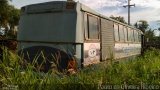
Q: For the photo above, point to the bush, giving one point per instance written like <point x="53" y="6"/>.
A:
<point x="144" y="70"/>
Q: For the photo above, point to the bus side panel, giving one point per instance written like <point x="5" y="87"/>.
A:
<point x="91" y="53"/>
<point x="123" y="50"/>
<point x="107" y="39"/>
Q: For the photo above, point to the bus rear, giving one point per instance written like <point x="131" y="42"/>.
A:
<point x="47" y="33"/>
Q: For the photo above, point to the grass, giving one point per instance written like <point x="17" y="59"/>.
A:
<point x="142" y="72"/>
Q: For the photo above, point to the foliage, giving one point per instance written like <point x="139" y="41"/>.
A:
<point x="9" y="18"/>
<point x="150" y="34"/>
<point x="119" y="18"/>
<point x="13" y="21"/>
<point x="142" y="25"/>
<point x="144" y="70"/>
<point x="4" y="11"/>
<point x="14" y="17"/>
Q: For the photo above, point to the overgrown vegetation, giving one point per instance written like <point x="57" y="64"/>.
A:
<point x="9" y="18"/>
<point x="132" y="74"/>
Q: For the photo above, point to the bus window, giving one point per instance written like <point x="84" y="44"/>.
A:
<point x="139" y="37"/>
<point x="135" y="36"/>
<point x="125" y="34"/>
<point x="130" y="35"/>
<point x="121" y="33"/>
<point x="85" y="26"/>
<point x="116" y="32"/>
<point x="93" y="27"/>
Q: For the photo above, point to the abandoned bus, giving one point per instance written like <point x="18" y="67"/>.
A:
<point x="60" y="31"/>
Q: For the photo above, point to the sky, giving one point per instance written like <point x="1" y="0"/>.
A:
<point x="148" y="10"/>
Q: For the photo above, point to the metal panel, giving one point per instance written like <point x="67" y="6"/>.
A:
<point x="48" y="27"/>
<point x="45" y="7"/>
<point x="107" y="39"/>
<point x="91" y="53"/>
<point x="123" y="50"/>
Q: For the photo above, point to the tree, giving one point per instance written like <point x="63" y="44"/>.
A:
<point x="9" y="17"/>
<point x="119" y="18"/>
<point x="4" y="13"/>
<point x="150" y="34"/>
<point x="14" y="16"/>
<point x="142" y="25"/>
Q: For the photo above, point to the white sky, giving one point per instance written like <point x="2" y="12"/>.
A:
<point x="148" y="10"/>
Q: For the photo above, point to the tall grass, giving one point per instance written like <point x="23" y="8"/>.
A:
<point x="139" y="71"/>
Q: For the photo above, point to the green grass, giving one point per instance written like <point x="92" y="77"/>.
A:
<point x="143" y="70"/>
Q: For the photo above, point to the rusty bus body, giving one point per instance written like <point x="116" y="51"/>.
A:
<point x="70" y="30"/>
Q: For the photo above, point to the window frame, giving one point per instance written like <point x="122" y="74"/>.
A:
<point x="122" y="27"/>
<point x="136" y="37"/>
<point x="87" y="27"/>
<point x="117" y="32"/>
<point x="139" y="37"/>
<point x="130" y="33"/>
<point x="126" y="34"/>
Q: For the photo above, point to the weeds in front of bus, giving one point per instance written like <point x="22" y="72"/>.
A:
<point x="143" y="70"/>
<point x="111" y="55"/>
<point x="55" y="62"/>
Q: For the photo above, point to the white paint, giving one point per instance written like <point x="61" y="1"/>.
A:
<point x="92" y="53"/>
